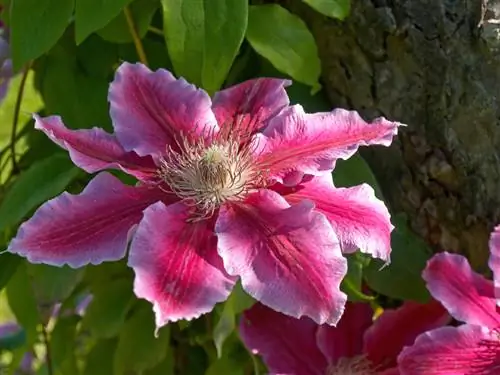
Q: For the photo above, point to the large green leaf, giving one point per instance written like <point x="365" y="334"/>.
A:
<point x="117" y="31"/>
<point x="22" y="302"/>
<point x="43" y="180"/>
<point x="403" y="277"/>
<point x="108" y="309"/>
<point x="99" y="360"/>
<point x="284" y="39"/>
<point x="92" y="15"/>
<point x="53" y="284"/>
<point x="8" y="266"/>
<point x="332" y="8"/>
<point x="203" y="38"/>
<point x="36" y="26"/>
<point x="62" y="351"/>
<point x="138" y="349"/>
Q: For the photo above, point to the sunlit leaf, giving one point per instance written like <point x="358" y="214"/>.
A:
<point x="284" y="39"/>
<point x="203" y="38"/>
<point x="332" y="8"/>
<point x="36" y="26"/>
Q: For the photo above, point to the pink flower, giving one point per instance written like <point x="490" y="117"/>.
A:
<point x="234" y="186"/>
<point x="357" y="346"/>
<point x="471" y="348"/>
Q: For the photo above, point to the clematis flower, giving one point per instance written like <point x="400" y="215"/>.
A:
<point x="357" y="346"/>
<point x="470" y="348"/>
<point x="237" y="186"/>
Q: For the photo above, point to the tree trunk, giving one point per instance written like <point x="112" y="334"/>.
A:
<point x="434" y="65"/>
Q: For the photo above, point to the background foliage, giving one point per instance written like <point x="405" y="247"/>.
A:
<point x="64" y="53"/>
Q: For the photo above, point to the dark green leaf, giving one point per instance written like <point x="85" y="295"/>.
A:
<point x="36" y="26"/>
<point x="284" y="39"/>
<point x="100" y="358"/>
<point x="355" y="171"/>
<point x="352" y="282"/>
<point x="117" y="31"/>
<point x="138" y="349"/>
<point x="92" y="15"/>
<point x="166" y="367"/>
<point x="108" y="309"/>
<point x="8" y="266"/>
<point x="203" y="38"/>
<point x="403" y="277"/>
<point x="62" y="351"/>
<point x="331" y="8"/>
<point x="22" y="302"/>
<point x="53" y="284"/>
<point x="42" y="181"/>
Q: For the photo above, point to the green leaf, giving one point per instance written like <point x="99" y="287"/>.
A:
<point x="284" y="39"/>
<point x="92" y="15"/>
<point x="352" y="282"/>
<point x="117" y="31"/>
<point x="8" y="266"/>
<point x="138" y="349"/>
<point x="108" y="309"/>
<point x="43" y="180"/>
<point x="355" y="171"/>
<point x="166" y="367"/>
<point x="36" y="26"/>
<point x="99" y="361"/>
<point x="331" y="8"/>
<point x="53" y="284"/>
<point x="401" y="279"/>
<point x="61" y="338"/>
<point x="22" y="302"/>
<point x="203" y="38"/>
<point x="237" y="302"/>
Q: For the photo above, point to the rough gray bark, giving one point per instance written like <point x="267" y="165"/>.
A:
<point x="434" y="65"/>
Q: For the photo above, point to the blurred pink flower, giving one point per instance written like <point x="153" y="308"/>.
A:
<point x="357" y="346"/>
<point x="473" y="347"/>
<point x="234" y="186"/>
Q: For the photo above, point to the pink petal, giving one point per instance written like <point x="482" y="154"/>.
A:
<point x="176" y="264"/>
<point x="91" y="227"/>
<point x="151" y="110"/>
<point x="249" y="105"/>
<point x="288" y="257"/>
<point x="467" y="295"/>
<point x="466" y="350"/>
<point x="94" y="149"/>
<point x="359" y="219"/>
<point x="346" y="340"/>
<point x="311" y="143"/>
<point x="394" y="329"/>
<point x="287" y="345"/>
<point x="494" y="261"/>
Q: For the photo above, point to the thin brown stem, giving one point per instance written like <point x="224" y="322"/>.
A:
<point x="135" y="36"/>
<point x="15" y="120"/>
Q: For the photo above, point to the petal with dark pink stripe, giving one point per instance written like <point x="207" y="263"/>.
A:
<point x="248" y="106"/>
<point x="94" y="149"/>
<point x="310" y="143"/>
<point x="468" y="296"/>
<point x="176" y="264"/>
<point x="287" y="345"/>
<point x="150" y="110"/>
<point x="91" y="227"/>
<point x="468" y="349"/>
<point x="397" y="328"/>
<point x="360" y="220"/>
<point x="494" y="261"/>
<point x="288" y="257"/>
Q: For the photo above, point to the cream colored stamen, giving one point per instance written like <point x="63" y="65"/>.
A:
<point x="359" y="365"/>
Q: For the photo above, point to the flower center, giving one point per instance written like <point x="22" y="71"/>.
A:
<point x="359" y="365"/>
<point x="208" y="176"/>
